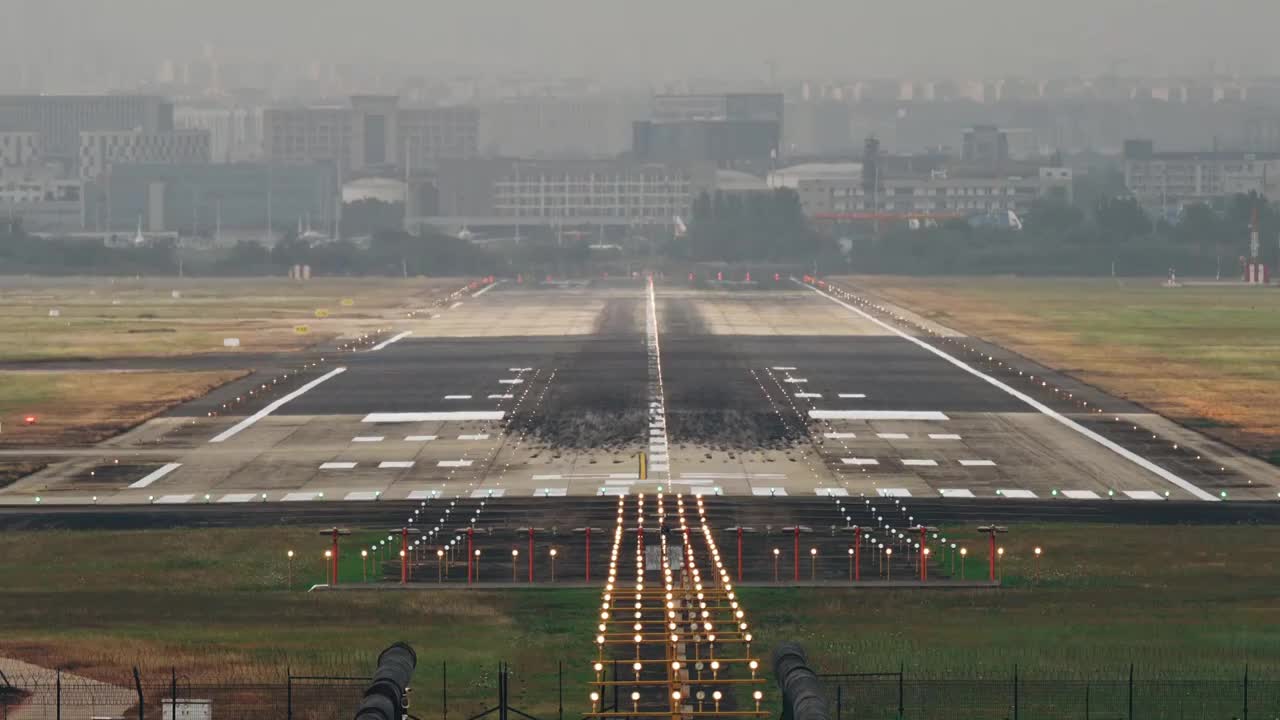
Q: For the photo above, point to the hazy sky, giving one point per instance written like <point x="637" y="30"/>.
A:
<point x="655" y="39"/>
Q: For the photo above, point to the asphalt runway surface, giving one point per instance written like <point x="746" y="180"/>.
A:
<point x="557" y="392"/>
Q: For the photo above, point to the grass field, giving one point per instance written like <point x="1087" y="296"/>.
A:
<point x="1208" y="356"/>
<point x="85" y="407"/>
<point x="113" y="317"/>
<point x="1184" y="602"/>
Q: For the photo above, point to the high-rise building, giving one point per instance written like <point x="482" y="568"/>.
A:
<point x="20" y="149"/>
<point x="737" y="131"/>
<point x="235" y="133"/>
<point x="1168" y="179"/>
<point x="61" y="118"/>
<point x="559" y="127"/>
<point x="100" y="150"/>
<point x="986" y="147"/>
<point x="372" y="132"/>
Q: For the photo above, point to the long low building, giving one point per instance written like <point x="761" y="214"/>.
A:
<point x="936" y="196"/>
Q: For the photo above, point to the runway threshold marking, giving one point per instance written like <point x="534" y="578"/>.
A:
<point x="388" y="341"/>
<point x="1114" y="447"/>
<point x="955" y="493"/>
<point x="155" y="475"/>
<point x="276" y="405"/>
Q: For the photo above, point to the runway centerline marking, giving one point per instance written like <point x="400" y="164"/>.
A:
<point x="368" y="438"/>
<point x="155" y="475"/>
<point x="852" y="396"/>
<point x="978" y="463"/>
<point x="388" y="464"/>
<point x="1123" y="452"/>
<point x="457" y="397"/>
<point x="657" y="392"/>
<point x="388" y="341"/>
<point x="245" y="423"/>
<point x="337" y="465"/>
<point x="943" y="436"/>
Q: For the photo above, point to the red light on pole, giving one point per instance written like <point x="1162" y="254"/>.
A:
<point x="719" y="275"/>
<point x="991" y="531"/>
<point x="29" y="419"/>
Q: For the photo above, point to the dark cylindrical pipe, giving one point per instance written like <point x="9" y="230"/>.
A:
<point x="384" y="699"/>
<point x="802" y="695"/>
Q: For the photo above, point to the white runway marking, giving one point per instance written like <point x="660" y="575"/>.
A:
<point x="237" y="498"/>
<point x="457" y="397"/>
<point x="955" y="493"/>
<point x="337" y="465"/>
<point x="443" y="416"/>
<point x="808" y="395"/>
<point x="859" y="461"/>
<point x="155" y="475"/>
<point x="510" y="381"/>
<point x="361" y="495"/>
<point x="454" y="463"/>
<point x="456" y="305"/>
<point x="853" y="396"/>
<point x="734" y="476"/>
<point x="300" y="496"/>
<point x="657" y="393"/>
<point x="920" y="463"/>
<point x="477" y="436"/>
<point x="839" y="435"/>
<point x="1017" y="494"/>
<point x="783" y="368"/>
<point x="768" y="492"/>
<point x="392" y="464"/>
<point x="173" y="499"/>
<point x="614" y="491"/>
<point x="368" y="438"/>
<point x="548" y="477"/>
<point x="1123" y="452"/>
<point x="551" y="492"/>
<point x="943" y="436"/>
<point x="877" y="415"/>
<point x="485" y="289"/>
<point x="1144" y="494"/>
<point x="892" y="436"/>
<point x="519" y="370"/>
<point x="501" y="396"/>
<point x="831" y="492"/>
<point x="893" y="492"/>
<point x="487" y="492"/>
<point x="1081" y="494"/>
<point x="423" y="494"/>
<point x="795" y="380"/>
<point x="235" y="429"/>
<point x="419" y="438"/>
<point x="978" y="463"/>
<point x="390" y="340"/>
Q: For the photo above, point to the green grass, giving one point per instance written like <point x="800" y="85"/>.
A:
<point x="1176" y="601"/>
<point x="1205" y="354"/>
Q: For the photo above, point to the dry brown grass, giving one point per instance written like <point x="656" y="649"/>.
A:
<point x="105" y="317"/>
<point x="86" y="407"/>
<point x="1192" y="354"/>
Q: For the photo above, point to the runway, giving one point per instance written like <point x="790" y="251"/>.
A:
<point x="551" y="392"/>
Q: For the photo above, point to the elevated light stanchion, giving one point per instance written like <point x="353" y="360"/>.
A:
<point x="515" y="555"/>
<point x="924" y="565"/>
<point x="530" y="555"/>
<point x="325" y="566"/>
<point x="332" y="555"/>
<point x="553" y="564"/>
<point x="1037" y="552"/>
<point x="964" y="553"/>
<point x="477" y="557"/>
<point x="999" y="565"/>
<point x="991" y="531"/>
<point x="797" y="554"/>
<point x="776" y="553"/>
<point x="850" y="564"/>
<point x="364" y="565"/>
<point x="470" y="538"/>
<point x="440" y="566"/>
<point x="888" y="564"/>
<point x="813" y="564"/>
<point x="289" y="577"/>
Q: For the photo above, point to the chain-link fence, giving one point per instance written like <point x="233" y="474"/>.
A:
<point x="57" y="695"/>
<point x="891" y="696"/>
<point x="442" y="693"/>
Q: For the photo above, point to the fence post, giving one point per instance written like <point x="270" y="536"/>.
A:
<point x="560" y="687"/>
<point x="901" y="668"/>
<point x="173" y="690"/>
<point x="839" y="699"/>
<point x="288" y="695"/>
<point x="59" y="694"/>
<point x="1130" y="691"/>
<point x="137" y="684"/>
<point x="1246" y="691"/>
<point x="444" y="689"/>
<point x="1086" y="700"/>
<point x="1015" y="691"/>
